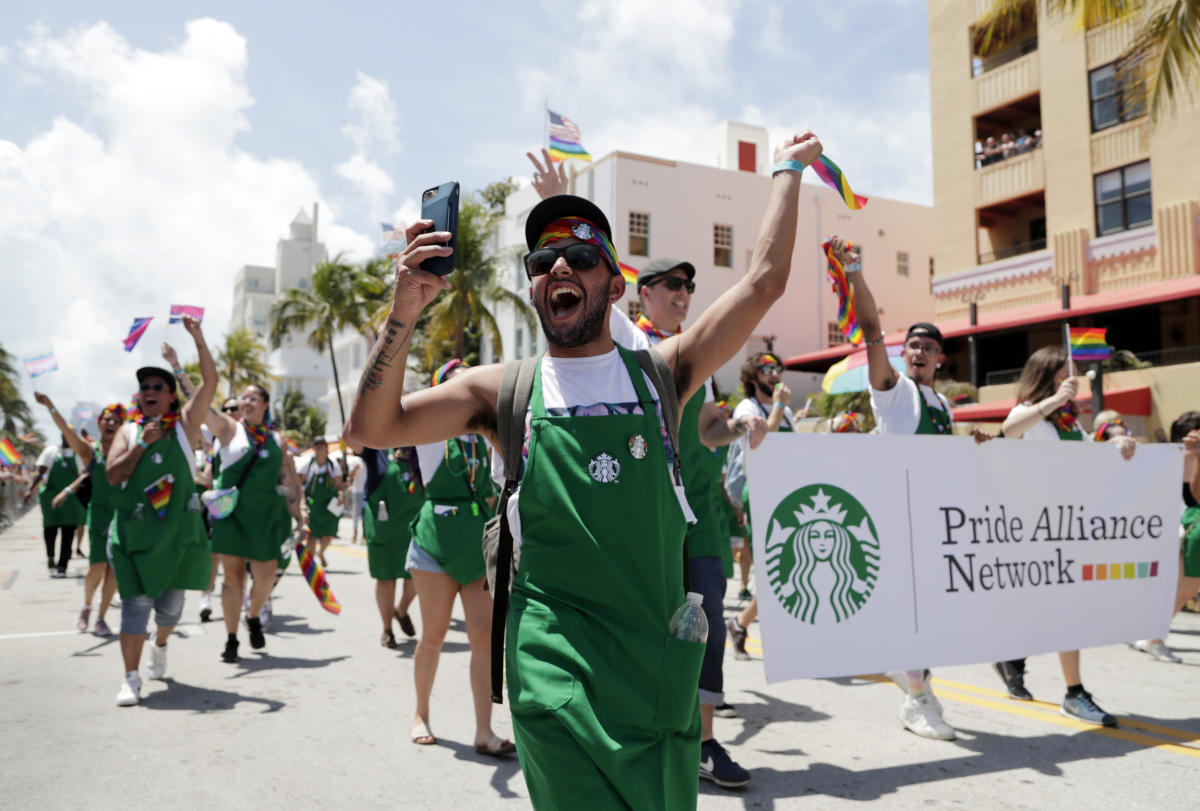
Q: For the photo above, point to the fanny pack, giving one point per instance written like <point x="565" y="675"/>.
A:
<point x="221" y="503"/>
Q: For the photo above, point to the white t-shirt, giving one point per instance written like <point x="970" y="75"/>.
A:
<point x="238" y="446"/>
<point x="310" y="468"/>
<point x="629" y="335"/>
<point x="1043" y="428"/>
<point x="358" y="474"/>
<point x="751" y="407"/>
<point x="52" y="452"/>
<point x="898" y="410"/>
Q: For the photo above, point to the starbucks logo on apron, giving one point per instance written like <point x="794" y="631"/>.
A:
<point x="822" y="554"/>
<point x="604" y="468"/>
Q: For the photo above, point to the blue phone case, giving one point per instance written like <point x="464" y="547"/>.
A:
<point x="440" y="204"/>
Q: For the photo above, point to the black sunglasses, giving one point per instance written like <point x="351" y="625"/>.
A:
<point x="674" y="283"/>
<point x="154" y="387"/>
<point x="580" y="256"/>
<point x="229" y="409"/>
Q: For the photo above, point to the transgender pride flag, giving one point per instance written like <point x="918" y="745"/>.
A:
<point x="40" y="364"/>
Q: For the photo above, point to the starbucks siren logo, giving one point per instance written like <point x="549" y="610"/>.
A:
<point x="822" y="554"/>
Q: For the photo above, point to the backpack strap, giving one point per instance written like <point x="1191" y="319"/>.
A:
<point x="512" y="403"/>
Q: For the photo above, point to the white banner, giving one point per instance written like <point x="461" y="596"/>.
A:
<point x="876" y="553"/>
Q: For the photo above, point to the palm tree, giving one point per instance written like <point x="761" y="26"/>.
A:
<point x="342" y="297"/>
<point x="300" y="418"/>
<point x="242" y="360"/>
<point x="13" y="408"/>
<point x="474" y="284"/>
<point x="1166" y="47"/>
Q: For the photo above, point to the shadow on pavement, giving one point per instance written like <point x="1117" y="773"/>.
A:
<point x="255" y="662"/>
<point x="505" y="767"/>
<point x="757" y="716"/>
<point x="101" y="642"/>
<point x="180" y="696"/>
<point x="291" y="624"/>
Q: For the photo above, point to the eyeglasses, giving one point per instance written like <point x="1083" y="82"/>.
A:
<point x="925" y="348"/>
<point x="230" y="409"/>
<point x="154" y="387"/>
<point x="770" y="369"/>
<point x="674" y="283"/>
<point x="580" y="256"/>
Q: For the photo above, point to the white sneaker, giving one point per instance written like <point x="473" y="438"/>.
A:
<point x="920" y="716"/>
<point x="900" y="679"/>
<point x="1157" y="649"/>
<point x="131" y="687"/>
<point x="158" y="661"/>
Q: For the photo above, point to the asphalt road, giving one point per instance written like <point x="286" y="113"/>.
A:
<point x="321" y="717"/>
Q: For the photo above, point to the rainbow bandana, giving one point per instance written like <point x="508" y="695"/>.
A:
<point x="258" y="433"/>
<point x="847" y="319"/>
<point x="583" y="230"/>
<point x="113" y="408"/>
<point x="1102" y="429"/>
<point x="135" y="415"/>
<point x="767" y="359"/>
<point x="439" y="376"/>
<point x="647" y="326"/>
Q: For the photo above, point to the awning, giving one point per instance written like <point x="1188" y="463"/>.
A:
<point x="1140" y="296"/>
<point x="1133" y="402"/>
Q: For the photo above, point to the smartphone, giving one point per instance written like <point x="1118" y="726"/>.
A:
<point x="440" y="204"/>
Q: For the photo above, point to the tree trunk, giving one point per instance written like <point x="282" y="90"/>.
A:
<point x="336" y="383"/>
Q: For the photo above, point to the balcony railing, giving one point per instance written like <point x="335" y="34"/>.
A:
<point x="1013" y="250"/>
<point x="1119" y="362"/>
<point x="1017" y="176"/>
<point x="1017" y="76"/>
<point x="979" y="67"/>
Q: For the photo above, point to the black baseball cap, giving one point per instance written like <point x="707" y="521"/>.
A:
<point x="662" y="266"/>
<point x="155" y="371"/>
<point x="559" y="206"/>
<point x="928" y="330"/>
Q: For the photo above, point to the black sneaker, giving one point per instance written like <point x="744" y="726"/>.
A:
<point x="257" y="640"/>
<point x="1014" y="681"/>
<point x="231" y="646"/>
<point x="717" y="766"/>
<point x="725" y="711"/>
<point x="1083" y="707"/>
<point x="205" y="614"/>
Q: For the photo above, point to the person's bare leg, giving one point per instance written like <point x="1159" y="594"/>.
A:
<point x="749" y="613"/>
<point x="79" y="539"/>
<point x="1069" y="661"/>
<point x="91" y="579"/>
<point x="745" y="561"/>
<point x="262" y="574"/>
<point x="706" y="721"/>
<point x="385" y="595"/>
<point x="131" y="650"/>
<point x="107" y="591"/>
<point x="436" y="594"/>
<point x="322" y="545"/>
<point x="477" y="607"/>
<point x="232" y="587"/>
<point x="408" y="593"/>
<point x="212" y="572"/>
<point x="161" y="635"/>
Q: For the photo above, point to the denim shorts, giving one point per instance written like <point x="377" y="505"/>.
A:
<point x="421" y="560"/>
<point x="708" y="579"/>
<point x="135" y="612"/>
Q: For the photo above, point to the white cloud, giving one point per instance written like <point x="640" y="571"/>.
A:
<point x="152" y="206"/>
<point x="369" y="178"/>
<point x="373" y="129"/>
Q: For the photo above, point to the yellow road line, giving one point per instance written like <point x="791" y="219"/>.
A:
<point x="352" y="551"/>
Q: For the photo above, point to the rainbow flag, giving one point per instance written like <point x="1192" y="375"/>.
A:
<point x="1090" y="344"/>
<point x="315" y="576"/>
<point x="629" y="272"/>
<point x="136" y="332"/>
<point x="159" y="493"/>
<point x="847" y="319"/>
<point x="292" y="445"/>
<point x="8" y="454"/>
<point x="832" y="177"/>
<point x="564" y="139"/>
<point x="178" y="311"/>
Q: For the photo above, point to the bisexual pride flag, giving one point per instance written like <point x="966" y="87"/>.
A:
<point x="564" y="139"/>
<point x="136" y="331"/>
<point x="159" y="493"/>
<point x="40" y="364"/>
<point x="178" y="311"/>
<point x="8" y="454"/>
<point x="1090" y="344"/>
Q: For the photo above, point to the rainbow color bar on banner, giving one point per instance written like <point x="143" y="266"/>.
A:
<point x="832" y="177"/>
<point x="159" y="493"/>
<point x="136" y="331"/>
<point x="1120" y="571"/>
<point x="315" y="576"/>
<point x="8" y="454"/>
<point x="1090" y="343"/>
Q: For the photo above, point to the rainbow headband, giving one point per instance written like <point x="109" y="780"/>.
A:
<point x="581" y="229"/>
<point x="445" y="369"/>
<point x="1102" y="429"/>
<point x="767" y="359"/>
<point x="114" y="408"/>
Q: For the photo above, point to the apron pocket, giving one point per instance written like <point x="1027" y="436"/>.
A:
<point x="678" y="686"/>
<point x="541" y="662"/>
<point x="139" y="534"/>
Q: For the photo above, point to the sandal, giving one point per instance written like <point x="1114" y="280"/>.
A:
<point x="388" y="640"/>
<point x="406" y="623"/>
<point x="496" y="747"/>
<point x="422" y="736"/>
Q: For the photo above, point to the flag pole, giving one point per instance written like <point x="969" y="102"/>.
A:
<point x="546" y="124"/>
<point x="1067" y="343"/>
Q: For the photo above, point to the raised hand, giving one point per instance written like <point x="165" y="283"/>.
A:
<point x="169" y="355"/>
<point x="1067" y="390"/>
<point x="804" y="146"/>
<point x="843" y="251"/>
<point x="192" y="325"/>
<point x="782" y="394"/>
<point x="43" y="399"/>
<point x="551" y="180"/>
<point x="415" y="288"/>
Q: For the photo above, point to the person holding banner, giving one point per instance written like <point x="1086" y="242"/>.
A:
<point x="323" y="479"/>
<point x="904" y="404"/>
<point x="159" y="547"/>
<point x="253" y="462"/>
<point x="1046" y="410"/>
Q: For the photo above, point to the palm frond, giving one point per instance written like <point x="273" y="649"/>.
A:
<point x="1168" y="50"/>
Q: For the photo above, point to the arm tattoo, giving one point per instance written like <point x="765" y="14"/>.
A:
<point x="123" y="467"/>
<point x="389" y="345"/>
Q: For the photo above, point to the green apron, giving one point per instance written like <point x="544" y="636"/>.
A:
<point x="388" y="532"/>
<point x="251" y="530"/>
<point x="726" y="515"/>
<point x="604" y="700"/>
<point x="319" y="490"/>
<point x="933" y="420"/>
<point x="100" y="508"/>
<point x="702" y="484"/>
<point x="61" y="473"/>
<point x="449" y="525"/>
<point x="152" y="554"/>
<point x="1073" y="435"/>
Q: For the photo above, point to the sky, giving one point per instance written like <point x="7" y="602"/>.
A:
<point x="148" y="151"/>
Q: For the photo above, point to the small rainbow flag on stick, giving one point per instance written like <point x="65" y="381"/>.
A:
<point x="847" y="319"/>
<point x="315" y="576"/>
<point x="159" y="493"/>
<point x="1090" y="344"/>
<point x="832" y="177"/>
<point x="8" y="454"/>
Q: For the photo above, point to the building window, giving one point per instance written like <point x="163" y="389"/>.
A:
<point x="634" y="308"/>
<point x="747" y="157"/>
<point x="723" y="246"/>
<point x="931" y="267"/>
<point x="252" y="283"/>
<point x="835" y="335"/>
<point x="639" y="233"/>
<point x="902" y="263"/>
<point x="1117" y="95"/>
<point x="1123" y="199"/>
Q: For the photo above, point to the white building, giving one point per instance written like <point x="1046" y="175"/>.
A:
<point x="256" y="288"/>
<point x="709" y="213"/>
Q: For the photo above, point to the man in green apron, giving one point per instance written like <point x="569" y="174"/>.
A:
<point x="603" y="697"/>
<point x="159" y="547"/>
<point x="57" y="468"/>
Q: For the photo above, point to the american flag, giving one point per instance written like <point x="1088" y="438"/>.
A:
<point x="178" y="311"/>
<point x="40" y="364"/>
<point x="564" y="139"/>
<point x="394" y="240"/>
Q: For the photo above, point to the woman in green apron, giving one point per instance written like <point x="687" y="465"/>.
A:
<point x="394" y="495"/>
<point x="252" y="459"/>
<point x="1046" y="410"/>
<point x="323" y="480"/>
<point x="99" y="522"/>
<point x="159" y="547"/>
<point x="58" y="467"/>
<point x="446" y="560"/>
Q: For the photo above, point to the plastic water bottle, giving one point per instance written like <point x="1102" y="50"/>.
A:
<point x="381" y="514"/>
<point x="139" y="513"/>
<point x="689" y="622"/>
